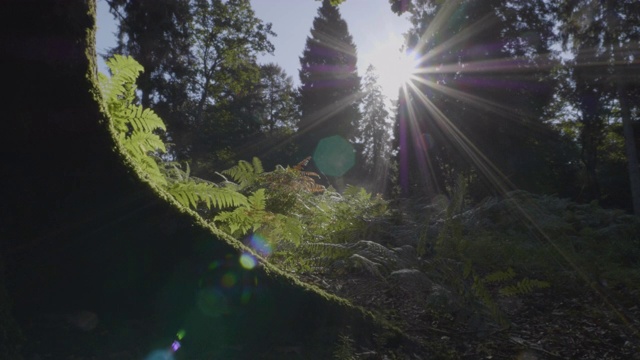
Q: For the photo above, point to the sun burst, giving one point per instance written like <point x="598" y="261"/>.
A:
<point x="395" y="68"/>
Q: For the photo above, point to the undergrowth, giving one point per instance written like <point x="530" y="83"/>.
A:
<point x="298" y="220"/>
<point x="510" y="246"/>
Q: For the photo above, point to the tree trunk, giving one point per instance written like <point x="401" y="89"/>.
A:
<point x="630" y="146"/>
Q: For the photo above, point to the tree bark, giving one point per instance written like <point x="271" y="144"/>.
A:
<point x="630" y="147"/>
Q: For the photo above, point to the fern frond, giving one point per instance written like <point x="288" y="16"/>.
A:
<point x="485" y="297"/>
<point x="145" y="142"/>
<point x="374" y="250"/>
<point x="124" y="72"/>
<point x="325" y="255"/>
<point x="499" y="276"/>
<point x="309" y="174"/>
<point x="150" y="167"/>
<point x="144" y="120"/>
<point x="257" y="200"/>
<point x="257" y="165"/>
<point x="245" y="173"/>
<point x="351" y="190"/>
<point x="523" y="287"/>
<point x="237" y="222"/>
<point x="191" y="193"/>
<point x="299" y="166"/>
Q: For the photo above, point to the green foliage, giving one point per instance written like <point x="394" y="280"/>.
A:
<point x="481" y="292"/>
<point x="244" y="218"/>
<point x="345" y="349"/>
<point x="523" y="287"/>
<point x="487" y="252"/>
<point x="308" y="226"/>
<point x="134" y="125"/>
<point x="202" y="76"/>
<point x="135" y="128"/>
<point x="346" y="217"/>
<point x="297" y="216"/>
<point x="121" y="85"/>
<point x="499" y="276"/>
<point x="191" y="191"/>
<point x="245" y="173"/>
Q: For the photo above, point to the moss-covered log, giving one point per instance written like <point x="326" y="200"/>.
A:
<point x="81" y="230"/>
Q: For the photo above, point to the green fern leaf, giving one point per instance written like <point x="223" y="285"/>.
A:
<point x="245" y="173"/>
<point x="191" y="193"/>
<point x="144" y="120"/>
<point x="257" y="166"/>
<point x="257" y="200"/>
<point x="145" y="142"/>
<point x="523" y="287"/>
<point x="500" y="276"/>
<point x="125" y="71"/>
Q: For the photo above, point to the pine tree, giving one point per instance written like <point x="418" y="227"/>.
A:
<point x="330" y="85"/>
<point x="374" y="130"/>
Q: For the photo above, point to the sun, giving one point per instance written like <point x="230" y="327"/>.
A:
<point x="406" y="67"/>
<point x="394" y="67"/>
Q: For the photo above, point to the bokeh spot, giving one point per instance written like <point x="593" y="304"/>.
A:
<point x="334" y="156"/>
<point x="212" y="302"/>
<point x="175" y="345"/>
<point x="228" y="280"/>
<point x="160" y="355"/>
<point x="260" y="244"/>
<point x="247" y="261"/>
<point x="245" y="297"/>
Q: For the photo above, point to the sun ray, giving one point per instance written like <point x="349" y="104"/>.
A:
<point x="421" y="80"/>
<point x="463" y="144"/>
<point x="464" y="35"/>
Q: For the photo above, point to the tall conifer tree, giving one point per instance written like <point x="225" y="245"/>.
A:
<point x="374" y="130"/>
<point x="330" y="85"/>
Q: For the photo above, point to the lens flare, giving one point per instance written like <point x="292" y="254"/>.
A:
<point x="160" y="355"/>
<point x="247" y="261"/>
<point x="245" y="297"/>
<point x="175" y="345"/>
<point x="260" y="244"/>
<point x="228" y="280"/>
<point x="334" y="156"/>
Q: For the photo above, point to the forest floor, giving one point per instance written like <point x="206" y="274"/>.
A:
<point x="549" y="324"/>
<point x="587" y="306"/>
<point x="434" y="301"/>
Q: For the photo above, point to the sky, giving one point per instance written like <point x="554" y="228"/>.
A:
<point x="376" y="30"/>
